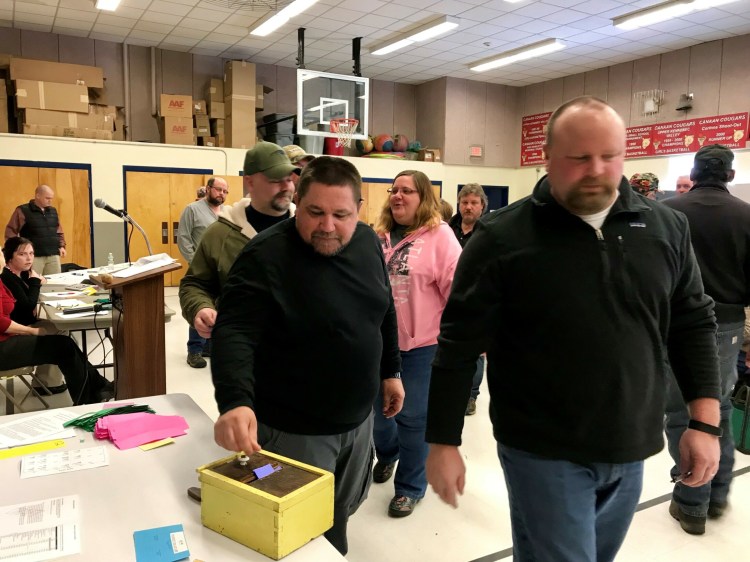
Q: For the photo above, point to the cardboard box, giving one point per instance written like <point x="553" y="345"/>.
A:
<point x="273" y="519"/>
<point x="239" y="79"/>
<point x="62" y="73"/>
<point x="206" y="141"/>
<point x="176" y="106"/>
<point x="202" y="131"/>
<point x="429" y="155"/>
<point x="201" y="121"/>
<point x="215" y="90"/>
<point x="72" y="132"/>
<point x="221" y="139"/>
<point x="119" y="134"/>
<point x="217" y="126"/>
<point x="32" y="94"/>
<point x="259" y="97"/>
<point x="4" y="123"/>
<point x="177" y="130"/>
<point x="199" y="107"/>
<point x="216" y="110"/>
<point x="240" y="133"/>
<point x="95" y="119"/>
<point x="239" y="105"/>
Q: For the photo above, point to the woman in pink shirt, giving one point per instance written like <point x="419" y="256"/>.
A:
<point x="421" y="252"/>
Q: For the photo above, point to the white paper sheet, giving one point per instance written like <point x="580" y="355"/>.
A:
<point x="65" y="303"/>
<point x="58" y="462"/>
<point x="100" y="314"/>
<point x="145" y="264"/>
<point x="32" y="429"/>
<point x="40" y="530"/>
<point x="60" y="295"/>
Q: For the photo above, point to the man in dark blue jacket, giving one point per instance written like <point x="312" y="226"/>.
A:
<point x="603" y="281"/>
<point x="720" y="230"/>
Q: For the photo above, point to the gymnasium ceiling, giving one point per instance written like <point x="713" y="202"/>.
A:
<point x="488" y="27"/>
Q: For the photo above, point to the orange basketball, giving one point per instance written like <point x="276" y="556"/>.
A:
<point x="384" y="143"/>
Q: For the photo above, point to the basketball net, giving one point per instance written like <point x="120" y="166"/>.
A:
<point x="344" y="129"/>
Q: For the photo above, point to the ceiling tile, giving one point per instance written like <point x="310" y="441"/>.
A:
<point x="39" y="19"/>
<point x="169" y="8"/>
<point x="73" y="24"/>
<point x="78" y="15"/>
<point x="159" y="17"/>
<point x="154" y="27"/>
<point x="33" y="26"/>
<point x="198" y="24"/>
<point x="29" y="8"/>
<point x="70" y="31"/>
<point x="108" y="19"/>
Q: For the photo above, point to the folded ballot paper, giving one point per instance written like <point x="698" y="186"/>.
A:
<point x="132" y="430"/>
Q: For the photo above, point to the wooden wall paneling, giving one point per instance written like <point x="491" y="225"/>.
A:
<point x="475" y="129"/>
<point x="17" y="185"/>
<point x="573" y="86"/>
<point x="674" y="79"/>
<point x="405" y="110"/>
<point x="147" y="197"/>
<point x="363" y="208"/>
<point x="143" y="126"/>
<point x="511" y="150"/>
<point x="377" y="195"/>
<point x="383" y="95"/>
<point x="108" y="56"/>
<point x="205" y="68"/>
<point x="553" y="94"/>
<point x="10" y="41"/>
<point x="735" y="78"/>
<point x="76" y="50"/>
<point x="645" y="77"/>
<point x="497" y="126"/>
<point x="533" y="101"/>
<point x="705" y="78"/>
<point x="176" y="72"/>
<point x="456" y="113"/>
<point x="286" y="90"/>
<point x="619" y="92"/>
<point x="596" y="83"/>
<point x="182" y="188"/>
<point x="431" y="109"/>
<point x="39" y="45"/>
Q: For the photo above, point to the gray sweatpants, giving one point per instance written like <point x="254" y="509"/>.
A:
<point x="347" y="455"/>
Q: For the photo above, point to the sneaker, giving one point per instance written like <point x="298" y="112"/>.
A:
<point x="401" y="506"/>
<point x="196" y="361"/>
<point x="52" y="389"/>
<point x="471" y="407"/>
<point x="691" y="524"/>
<point x="382" y="472"/>
<point x="106" y="392"/>
<point x="716" y="509"/>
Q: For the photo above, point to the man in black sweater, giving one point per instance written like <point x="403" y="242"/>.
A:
<point x="604" y="281"/>
<point x="720" y="230"/>
<point x="305" y="335"/>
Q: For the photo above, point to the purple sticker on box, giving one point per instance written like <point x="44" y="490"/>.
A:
<point x="263" y="471"/>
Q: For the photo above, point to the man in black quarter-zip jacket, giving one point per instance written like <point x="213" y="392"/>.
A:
<point x="720" y="230"/>
<point x="604" y="282"/>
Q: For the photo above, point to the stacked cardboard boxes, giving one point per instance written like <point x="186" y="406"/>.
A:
<point x="176" y="125"/>
<point x="239" y="104"/>
<point x="216" y="110"/>
<point x="52" y="99"/>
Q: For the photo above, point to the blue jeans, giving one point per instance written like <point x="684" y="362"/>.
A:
<point x="694" y="501"/>
<point x="566" y="512"/>
<point x="402" y="438"/>
<point x="478" y="376"/>
<point x="195" y="341"/>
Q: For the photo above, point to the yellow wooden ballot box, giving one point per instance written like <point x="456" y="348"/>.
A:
<point x="290" y="504"/>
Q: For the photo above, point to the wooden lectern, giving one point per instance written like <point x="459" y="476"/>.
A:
<point x="138" y="332"/>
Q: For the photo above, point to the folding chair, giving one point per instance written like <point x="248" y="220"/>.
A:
<point x="7" y="379"/>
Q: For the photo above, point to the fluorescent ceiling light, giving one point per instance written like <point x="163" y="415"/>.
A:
<point x="423" y="33"/>
<point x="108" y="5"/>
<point x="509" y="57"/>
<point x="271" y="23"/>
<point x="663" y="12"/>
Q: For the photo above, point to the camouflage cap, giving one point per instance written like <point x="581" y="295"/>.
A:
<point x="643" y="183"/>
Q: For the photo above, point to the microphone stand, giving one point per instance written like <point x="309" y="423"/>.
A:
<point x="131" y="220"/>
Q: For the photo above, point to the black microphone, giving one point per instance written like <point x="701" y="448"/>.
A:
<point x="102" y="205"/>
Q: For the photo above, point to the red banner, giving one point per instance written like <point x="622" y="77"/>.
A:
<point x="533" y="131"/>
<point x="660" y="139"/>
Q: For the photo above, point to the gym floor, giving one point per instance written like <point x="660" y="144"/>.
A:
<point x="479" y="530"/>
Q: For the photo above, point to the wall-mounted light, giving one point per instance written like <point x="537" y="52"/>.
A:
<point x="272" y="21"/>
<point x="423" y="33"/>
<point x="522" y="53"/>
<point x="108" y="5"/>
<point x="663" y="12"/>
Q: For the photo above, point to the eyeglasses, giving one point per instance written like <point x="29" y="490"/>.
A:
<point x="220" y="190"/>
<point x="402" y="191"/>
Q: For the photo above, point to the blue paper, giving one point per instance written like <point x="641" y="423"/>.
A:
<point x="162" y="544"/>
<point x="263" y="471"/>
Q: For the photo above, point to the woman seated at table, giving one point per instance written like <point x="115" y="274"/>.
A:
<point x="25" y="284"/>
<point x="26" y="346"/>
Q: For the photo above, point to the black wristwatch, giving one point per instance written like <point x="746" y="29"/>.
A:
<point x="394" y="376"/>
<point x="705" y="428"/>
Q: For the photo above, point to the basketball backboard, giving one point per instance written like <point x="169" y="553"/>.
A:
<point x="322" y="96"/>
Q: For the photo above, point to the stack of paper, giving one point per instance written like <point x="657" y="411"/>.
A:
<point x="131" y="430"/>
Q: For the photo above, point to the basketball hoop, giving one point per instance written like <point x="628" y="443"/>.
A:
<point x="344" y="128"/>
